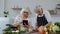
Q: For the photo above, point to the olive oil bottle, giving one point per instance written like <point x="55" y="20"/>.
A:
<point x="18" y="27"/>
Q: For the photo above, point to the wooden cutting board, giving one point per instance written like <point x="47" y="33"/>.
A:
<point x="31" y="33"/>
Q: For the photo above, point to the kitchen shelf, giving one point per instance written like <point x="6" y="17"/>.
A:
<point x="16" y="8"/>
<point x="58" y="6"/>
<point x="52" y="12"/>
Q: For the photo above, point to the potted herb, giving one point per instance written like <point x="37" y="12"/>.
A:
<point x="6" y="13"/>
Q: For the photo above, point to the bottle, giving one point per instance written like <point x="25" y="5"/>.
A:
<point x="18" y="27"/>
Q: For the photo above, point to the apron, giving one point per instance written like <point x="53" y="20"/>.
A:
<point x="41" y="21"/>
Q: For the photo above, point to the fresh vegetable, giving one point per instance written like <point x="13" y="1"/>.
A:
<point x="58" y="24"/>
<point x="41" y="30"/>
<point x="7" y="29"/>
<point x="56" y="28"/>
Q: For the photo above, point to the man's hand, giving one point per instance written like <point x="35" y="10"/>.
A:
<point x="48" y="24"/>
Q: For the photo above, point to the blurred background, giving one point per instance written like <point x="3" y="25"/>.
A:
<point x="13" y="8"/>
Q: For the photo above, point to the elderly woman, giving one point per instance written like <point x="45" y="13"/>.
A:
<point x="23" y="19"/>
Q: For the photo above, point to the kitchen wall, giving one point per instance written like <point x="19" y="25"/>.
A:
<point x="46" y="4"/>
<point x="1" y="7"/>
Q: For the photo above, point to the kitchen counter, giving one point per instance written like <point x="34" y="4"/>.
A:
<point x="31" y="33"/>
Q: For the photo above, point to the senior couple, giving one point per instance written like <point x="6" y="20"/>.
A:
<point x="41" y="19"/>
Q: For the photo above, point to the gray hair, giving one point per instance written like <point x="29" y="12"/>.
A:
<point x="39" y="6"/>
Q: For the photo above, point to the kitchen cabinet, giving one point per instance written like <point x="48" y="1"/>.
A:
<point x="3" y="22"/>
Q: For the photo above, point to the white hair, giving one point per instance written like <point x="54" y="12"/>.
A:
<point x="27" y="10"/>
<point x="22" y="11"/>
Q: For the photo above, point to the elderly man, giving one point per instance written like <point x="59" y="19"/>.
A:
<point x="43" y="18"/>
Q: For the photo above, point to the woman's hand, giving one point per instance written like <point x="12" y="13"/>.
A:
<point x="16" y="22"/>
<point x="29" y="25"/>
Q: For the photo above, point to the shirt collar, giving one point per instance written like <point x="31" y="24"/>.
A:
<point x="39" y="15"/>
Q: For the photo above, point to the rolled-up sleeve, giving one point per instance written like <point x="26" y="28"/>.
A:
<point x="17" y="20"/>
<point x="48" y="16"/>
